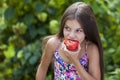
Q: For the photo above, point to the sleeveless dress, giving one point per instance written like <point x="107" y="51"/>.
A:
<point x="67" y="71"/>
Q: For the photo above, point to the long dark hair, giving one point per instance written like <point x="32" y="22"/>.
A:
<point x="83" y="13"/>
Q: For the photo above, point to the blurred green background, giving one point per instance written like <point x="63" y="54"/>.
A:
<point x="24" y="23"/>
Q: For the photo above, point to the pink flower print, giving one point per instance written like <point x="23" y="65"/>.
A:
<point x="78" y="78"/>
<point x="83" y="63"/>
<point x="72" y="74"/>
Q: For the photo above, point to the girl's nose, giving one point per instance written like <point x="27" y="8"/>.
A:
<point x="71" y="35"/>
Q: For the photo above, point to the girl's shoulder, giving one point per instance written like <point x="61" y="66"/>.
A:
<point x="92" y="49"/>
<point x="91" y="45"/>
<point x="53" y="42"/>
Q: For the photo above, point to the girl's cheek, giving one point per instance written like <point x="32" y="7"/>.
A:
<point x="81" y="38"/>
<point x="66" y="34"/>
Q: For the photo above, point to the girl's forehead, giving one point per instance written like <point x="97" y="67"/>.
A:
<point x="73" y="23"/>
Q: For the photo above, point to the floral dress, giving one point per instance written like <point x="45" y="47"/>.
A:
<point x="65" y="71"/>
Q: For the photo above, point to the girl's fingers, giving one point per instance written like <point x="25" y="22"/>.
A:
<point x="79" y="48"/>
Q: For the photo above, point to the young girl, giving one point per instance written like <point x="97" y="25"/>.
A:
<point x="86" y="63"/>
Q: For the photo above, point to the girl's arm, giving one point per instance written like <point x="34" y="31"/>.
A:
<point x="45" y="61"/>
<point x="94" y="64"/>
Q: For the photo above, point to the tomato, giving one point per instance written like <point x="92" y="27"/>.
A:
<point x="71" y="45"/>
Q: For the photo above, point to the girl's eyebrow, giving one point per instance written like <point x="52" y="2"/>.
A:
<point x="68" y="26"/>
<point x="80" y="28"/>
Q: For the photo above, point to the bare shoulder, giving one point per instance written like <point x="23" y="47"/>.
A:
<point x="92" y="50"/>
<point x="52" y="43"/>
<point x="49" y="48"/>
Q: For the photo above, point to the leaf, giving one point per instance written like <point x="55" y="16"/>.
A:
<point x="116" y="55"/>
<point x="51" y="10"/>
<point x="2" y="23"/>
<point x="20" y="54"/>
<point x="3" y="47"/>
<point x="9" y="13"/>
<point x="42" y="16"/>
<point x="38" y="6"/>
<point x="10" y="52"/>
<point x="31" y="48"/>
<point x="53" y="26"/>
<point x="33" y="60"/>
<point x="29" y="19"/>
<point x="42" y="30"/>
<point x="27" y="56"/>
<point x="27" y="1"/>
<point x="32" y="31"/>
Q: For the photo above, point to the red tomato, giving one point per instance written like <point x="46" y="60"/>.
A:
<point x="71" y="45"/>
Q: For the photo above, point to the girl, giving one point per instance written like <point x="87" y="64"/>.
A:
<point x="86" y="63"/>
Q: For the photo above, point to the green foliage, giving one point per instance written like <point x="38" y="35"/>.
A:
<point x="23" y="24"/>
<point x="10" y="53"/>
<point x="53" y="26"/>
<point x="114" y="75"/>
<point x="19" y="28"/>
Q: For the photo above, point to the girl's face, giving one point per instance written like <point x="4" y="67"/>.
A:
<point x="73" y="30"/>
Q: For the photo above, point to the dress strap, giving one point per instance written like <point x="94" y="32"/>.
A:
<point x="86" y="46"/>
<point x="58" y="45"/>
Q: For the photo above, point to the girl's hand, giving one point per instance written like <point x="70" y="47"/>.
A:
<point x="73" y="56"/>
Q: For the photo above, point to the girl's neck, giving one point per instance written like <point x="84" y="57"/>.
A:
<point x="83" y="43"/>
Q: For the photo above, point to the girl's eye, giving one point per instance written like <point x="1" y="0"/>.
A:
<point x="79" y="30"/>
<point x="67" y="28"/>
